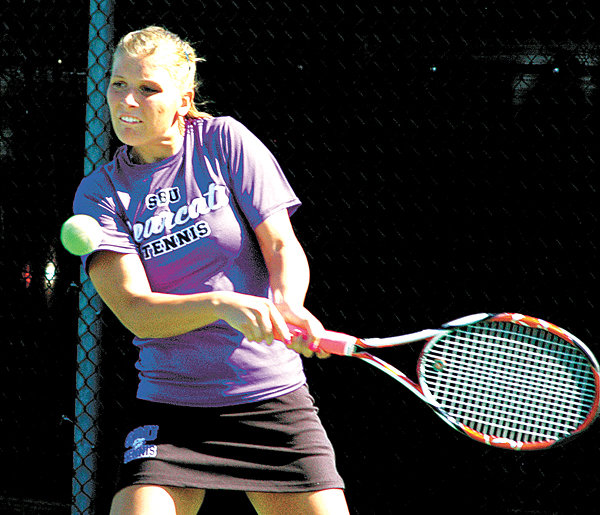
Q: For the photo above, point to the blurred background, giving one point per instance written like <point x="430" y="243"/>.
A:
<point x="446" y="153"/>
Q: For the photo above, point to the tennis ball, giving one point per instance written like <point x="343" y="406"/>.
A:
<point x="81" y="234"/>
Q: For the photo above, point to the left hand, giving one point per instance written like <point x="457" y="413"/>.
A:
<point x="306" y="344"/>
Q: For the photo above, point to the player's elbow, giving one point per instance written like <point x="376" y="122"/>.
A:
<point x="134" y="323"/>
<point x="141" y="329"/>
<point x="140" y="319"/>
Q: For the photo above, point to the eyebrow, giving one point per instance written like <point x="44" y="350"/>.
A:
<point x="151" y="81"/>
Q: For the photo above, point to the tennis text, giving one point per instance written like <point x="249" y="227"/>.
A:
<point x="163" y="233"/>
<point x="175" y="241"/>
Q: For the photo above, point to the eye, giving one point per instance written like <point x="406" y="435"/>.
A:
<point x="149" y="90"/>
<point x="117" y="84"/>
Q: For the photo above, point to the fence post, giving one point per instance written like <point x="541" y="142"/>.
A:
<point x="97" y="149"/>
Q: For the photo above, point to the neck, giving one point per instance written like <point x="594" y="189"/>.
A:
<point x="152" y="154"/>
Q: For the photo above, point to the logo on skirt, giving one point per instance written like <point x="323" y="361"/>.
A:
<point x="137" y="443"/>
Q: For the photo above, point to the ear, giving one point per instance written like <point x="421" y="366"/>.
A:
<point x="187" y="100"/>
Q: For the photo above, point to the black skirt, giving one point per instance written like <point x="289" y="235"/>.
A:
<point x="278" y="445"/>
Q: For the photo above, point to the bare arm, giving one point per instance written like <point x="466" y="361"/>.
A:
<point x="121" y="281"/>
<point x="289" y="275"/>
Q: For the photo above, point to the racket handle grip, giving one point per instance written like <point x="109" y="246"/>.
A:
<point x="332" y="342"/>
<point x="341" y="344"/>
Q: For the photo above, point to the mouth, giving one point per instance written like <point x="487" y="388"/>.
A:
<point x="132" y="120"/>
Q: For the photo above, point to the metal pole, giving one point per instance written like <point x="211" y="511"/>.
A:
<point x="97" y="148"/>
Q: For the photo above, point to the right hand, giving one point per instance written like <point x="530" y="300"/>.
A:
<point x="256" y="318"/>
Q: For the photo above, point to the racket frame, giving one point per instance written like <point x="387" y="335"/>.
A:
<point x="345" y="345"/>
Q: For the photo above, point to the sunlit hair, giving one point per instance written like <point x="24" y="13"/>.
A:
<point x="180" y="56"/>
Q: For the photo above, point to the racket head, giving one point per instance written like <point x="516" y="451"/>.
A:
<point x="511" y="381"/>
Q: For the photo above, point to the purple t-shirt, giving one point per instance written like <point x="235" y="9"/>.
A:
<point x="191" y="219"/>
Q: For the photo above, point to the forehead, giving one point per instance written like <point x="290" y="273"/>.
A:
<point x="152" y="67"/>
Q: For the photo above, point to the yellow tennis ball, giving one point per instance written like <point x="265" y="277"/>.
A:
<point x="81" y="234"/>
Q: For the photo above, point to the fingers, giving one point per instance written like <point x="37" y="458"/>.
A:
<point x="264" y="323"/>
<point x="307" y="348"/>
<point x="261" y="321"/>
<point x="268" y="324"/>
<point x="279" y="328"/>
<point x="305" y="340"/>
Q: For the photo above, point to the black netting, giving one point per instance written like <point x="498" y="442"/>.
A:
<point x="42" y="69"/>
<point x="445" y="153"/>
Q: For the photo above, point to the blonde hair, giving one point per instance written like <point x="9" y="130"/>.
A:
<point x="182" y="66"/>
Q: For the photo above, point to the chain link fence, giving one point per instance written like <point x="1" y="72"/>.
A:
<point x="446" y="155"/>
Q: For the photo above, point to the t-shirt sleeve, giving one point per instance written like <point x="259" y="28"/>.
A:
<point x="95" y="197"/>
<point x="255" y="177"/>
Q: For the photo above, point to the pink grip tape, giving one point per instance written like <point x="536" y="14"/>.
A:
<point x="338" y="343"/>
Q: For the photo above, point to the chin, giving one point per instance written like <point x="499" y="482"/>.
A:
<point x="127" y="138"/>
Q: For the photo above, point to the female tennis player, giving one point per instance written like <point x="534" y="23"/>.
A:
<point x="200" y="262"/>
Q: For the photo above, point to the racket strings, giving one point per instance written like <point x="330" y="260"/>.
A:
<point x="523" y="390"/>
<point x="511" y="375"/>
<point x="511" y="381"/>
<point x="530" y="353"/>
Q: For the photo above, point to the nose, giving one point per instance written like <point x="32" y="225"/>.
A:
<point x="129" y="100"/>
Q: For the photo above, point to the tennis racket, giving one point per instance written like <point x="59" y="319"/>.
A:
<point x="507" y="380"/>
